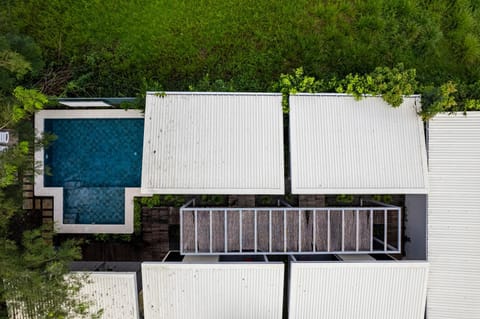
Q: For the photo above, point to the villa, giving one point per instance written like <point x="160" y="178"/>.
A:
<point x="338" y="209"/>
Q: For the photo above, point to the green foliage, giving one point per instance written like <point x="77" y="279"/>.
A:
<point x="32" y="271"/>
<point x="9" y="206"/>
<point x="137" y="217"/>
<point x="461" y="30"/>
<point x="243" y="45"/>
<point x="472" y="105"/>
<point x="34" y="278"/>
<point x="139" y="102"/>
<point x="213" y="200"/>
<point x="344" y="199"/>
<point x="23" y="103"/>
<point x="150" y="202"/>
<point x="266" y="200"/>
<point x="387" y="199"/>
<point x="11" y="161"/>
<point x="27" y="48"/>
<point x="450" y="97"/>
<point x="438" y="99"/>
<point x="294" y="83"/>
<point x="163" y="200"/>
<point x="13" y="67"/>
<point x="208" y="85"/>
<point x="91" y="51"/>
<point x="29" y="101"/>
<point x="9" y="174"/>
<point x="102" y="237"/>
<point x="176" y="44"/>
<point x="19" y="56"/>
<point x="391" y="83"/>
<point x="15" y="63"/>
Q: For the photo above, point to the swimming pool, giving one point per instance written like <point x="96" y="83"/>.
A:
<point x="94" y="160"/>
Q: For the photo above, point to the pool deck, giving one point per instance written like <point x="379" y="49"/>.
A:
<point x="57" y="192"/>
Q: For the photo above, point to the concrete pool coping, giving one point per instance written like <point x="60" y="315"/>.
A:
<point x="57" y="192"/>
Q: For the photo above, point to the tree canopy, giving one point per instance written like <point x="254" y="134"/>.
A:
<point x="32" y="271"/>
<point x="107" y="48"/>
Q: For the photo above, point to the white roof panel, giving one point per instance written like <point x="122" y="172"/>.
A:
<point x="454" y="216"/>
<point x="85" y="103"/>
<point x="214" y="291"/>
<point x="393" y="290"/>
<point x="113" y="293"/>
<point x="212" y="143"/>
<point x="342" y="146"/>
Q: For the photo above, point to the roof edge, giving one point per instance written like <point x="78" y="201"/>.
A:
<point x="215" y="93"/>
<point x="414" y="96"/>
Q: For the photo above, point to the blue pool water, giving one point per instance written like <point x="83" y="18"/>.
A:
<point x="94" y="160"/>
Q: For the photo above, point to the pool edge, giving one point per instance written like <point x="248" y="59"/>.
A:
<point x="57" y="192"/>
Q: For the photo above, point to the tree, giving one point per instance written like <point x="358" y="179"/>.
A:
<point x="33" y="273"/>
<point x="390" y="83"/>
<point x="35" y="278"/>
<point x="24" y="102"/>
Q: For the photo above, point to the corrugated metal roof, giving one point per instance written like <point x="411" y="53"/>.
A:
<point x="224" y="290"/>
<point x="85" y="103"/>
<point x="369" y="290"/>
<point x="212" y="143"/>
<point x="115" y="293"/>
<point x="454" y="216"/>
<point x="342" y="146"/>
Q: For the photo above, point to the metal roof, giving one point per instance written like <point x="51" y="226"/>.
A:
<point x="454" y="216"/>
<point x="85" y="103"/>
<point x="394" y="290"/>
<point x="94" y="101"/>
<point x="342" y="146"/>
<point x="222" y="290"/>
<point x="115" y="293"/>
<point x="213" y="143"/>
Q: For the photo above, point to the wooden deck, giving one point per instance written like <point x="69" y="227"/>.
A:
<point x="284" y="231"/>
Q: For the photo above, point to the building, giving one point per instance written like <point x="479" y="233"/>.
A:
<point x="352" y="243"/>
